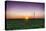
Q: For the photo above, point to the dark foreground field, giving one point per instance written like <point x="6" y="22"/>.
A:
<point x="13" y="24"/>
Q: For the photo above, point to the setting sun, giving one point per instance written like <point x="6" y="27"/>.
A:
<point x="26" y="17"/>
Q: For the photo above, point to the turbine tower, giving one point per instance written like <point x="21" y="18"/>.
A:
<point x="34" y="13"/>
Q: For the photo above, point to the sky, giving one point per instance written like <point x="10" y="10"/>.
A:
<point x="16" y="9"/>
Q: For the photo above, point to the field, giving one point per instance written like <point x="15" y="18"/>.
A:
<point x="13" y="24"/>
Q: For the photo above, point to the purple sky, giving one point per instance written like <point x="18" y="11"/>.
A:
<point x="15" y="8"/>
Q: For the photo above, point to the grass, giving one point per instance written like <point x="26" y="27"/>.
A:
<point x="12" y="24"/>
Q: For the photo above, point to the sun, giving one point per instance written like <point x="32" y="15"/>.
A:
<point x="26" y="17"/>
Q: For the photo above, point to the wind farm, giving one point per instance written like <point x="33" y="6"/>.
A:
<point x="24" y="15"/>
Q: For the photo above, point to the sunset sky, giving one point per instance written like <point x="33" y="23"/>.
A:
<point x="24" y="9"/>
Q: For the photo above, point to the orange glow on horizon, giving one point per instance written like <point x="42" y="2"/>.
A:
<point x="26" y="17"/>
<point x="23" y="17"/>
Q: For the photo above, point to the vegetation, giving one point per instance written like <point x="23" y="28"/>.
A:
<point x="12" y="24"/>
